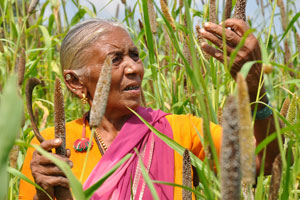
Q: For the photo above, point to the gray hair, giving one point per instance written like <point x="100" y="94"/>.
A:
<point x="80" y="37"/>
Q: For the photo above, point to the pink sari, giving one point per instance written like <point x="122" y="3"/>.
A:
<point x="158" y="158"/>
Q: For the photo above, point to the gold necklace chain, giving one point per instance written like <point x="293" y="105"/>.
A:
<point x="101" y="140"/>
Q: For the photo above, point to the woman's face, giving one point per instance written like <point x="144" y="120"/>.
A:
<point x="127" y="70"/>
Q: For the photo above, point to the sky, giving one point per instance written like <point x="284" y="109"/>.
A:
<point x="108" y="9"/>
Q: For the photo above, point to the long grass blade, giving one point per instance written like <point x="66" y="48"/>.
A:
<point x="18" y="174"/>
<point x="75" y="185"/>
<point x="196" y="192"/>
<point x="90" y="191"/>
<point x="11" y="109"/>
<point x="290" y="25"/>
<point x="204" y="171"/>
<point x="147" y="178"/>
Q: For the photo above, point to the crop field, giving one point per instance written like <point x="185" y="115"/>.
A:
<point x="179" y="78"/>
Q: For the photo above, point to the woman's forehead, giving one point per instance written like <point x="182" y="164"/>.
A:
<point x="109" y="44"/>
<point x="115" y="39"/>
<point x="115" y="34"/>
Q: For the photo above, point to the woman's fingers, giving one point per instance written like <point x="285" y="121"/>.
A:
<point x="215" y="40"/>
<point x="48" y="182"/>
<point x="213" y="51"/>
<point x="237" y="25"/>
<point x="48" y="170"/>
<point x="51" y="144"/>
<point x="68" y="153"/>
<point x="231" y="37"/>
<point x="38" y="159"/>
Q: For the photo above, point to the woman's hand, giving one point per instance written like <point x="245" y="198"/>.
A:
<point x="46" y="173"/>
<point x="249" y="52"/>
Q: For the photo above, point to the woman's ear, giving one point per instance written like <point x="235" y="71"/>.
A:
<point x="74" y="84"/>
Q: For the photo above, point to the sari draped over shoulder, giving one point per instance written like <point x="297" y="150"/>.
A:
<point x="157" y="157"/>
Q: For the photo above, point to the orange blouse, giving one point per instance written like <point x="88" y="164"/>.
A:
<point x="184" y="129"/>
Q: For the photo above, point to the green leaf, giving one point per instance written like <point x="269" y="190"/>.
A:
<point x="46" y="36"/>
<point x="264" y="143"/>
<point x="11" y="109"/>
<point x="147" y="178"/>
<point x="75" y="185"/>
<point x="246" y="68"/>
<point x="51" y="23"/>
<point x="90" y="191"/>
<point x="148" y="33"/>
<point x="78" y="16"/>
<point x="48" y="42"/>
<point x="294" y="81"/>
<point x="89" y="12"/>
<point x="291" y="24"/>
<point x="196" y="192"/>
<point x="93" y="6"/>
<point x="203" y="169"/>
<point x="18" y="174"/>
<point x="264" y="53"/>
<point x="288" y="176"/>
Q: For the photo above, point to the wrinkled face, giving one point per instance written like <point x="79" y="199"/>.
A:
<point x="127" y="70"/>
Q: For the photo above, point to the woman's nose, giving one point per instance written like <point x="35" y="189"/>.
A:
<point x="133" y="67"/>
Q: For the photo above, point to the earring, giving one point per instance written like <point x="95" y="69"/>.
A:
<point x="68" y="77"/>
<point x="84" y="99"/>
<point x="81" y="144"/>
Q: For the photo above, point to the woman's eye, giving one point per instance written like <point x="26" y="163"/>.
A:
<point x="116" y="59"/>
<point x="135" y="56"/>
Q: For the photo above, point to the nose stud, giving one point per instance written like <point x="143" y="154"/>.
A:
<point x="129" y="70"/>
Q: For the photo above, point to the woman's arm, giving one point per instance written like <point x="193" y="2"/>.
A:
<point x="234" y="31"/>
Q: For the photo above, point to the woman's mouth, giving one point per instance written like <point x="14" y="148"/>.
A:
<point x="129" y="88"/>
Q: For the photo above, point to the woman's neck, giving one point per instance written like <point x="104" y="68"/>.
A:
<point x="110" y="127"/>
<point x="116" y="122"/>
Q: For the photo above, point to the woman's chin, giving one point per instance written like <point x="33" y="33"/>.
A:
<point x="122" y="108"/>
<point x="134" y="105"/>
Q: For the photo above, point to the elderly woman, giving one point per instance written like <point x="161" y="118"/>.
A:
<point x="83" y="53"/>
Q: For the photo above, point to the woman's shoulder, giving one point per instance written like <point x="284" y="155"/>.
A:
<point x="183" y="118"/>
<point x="189" y="120"/>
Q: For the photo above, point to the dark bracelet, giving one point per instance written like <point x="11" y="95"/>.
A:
<point x="263" y="113"/>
